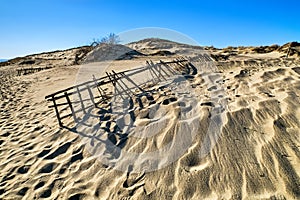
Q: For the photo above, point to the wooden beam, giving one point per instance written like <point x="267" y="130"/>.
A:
<point x="131" y="81"/>
<point x="120" y="76"/>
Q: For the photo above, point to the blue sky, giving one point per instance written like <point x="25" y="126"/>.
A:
<point x="32" y="26"/>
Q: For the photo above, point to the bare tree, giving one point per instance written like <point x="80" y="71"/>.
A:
<point x="110" y="39"/>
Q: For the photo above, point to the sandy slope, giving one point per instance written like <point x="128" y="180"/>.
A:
<point x="256" y="153"/>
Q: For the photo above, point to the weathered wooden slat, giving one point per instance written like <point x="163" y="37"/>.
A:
<point x="70" y="92"/>
<point x="72" y="87"/>
<point x="98" y="87"/>
<point x="120" y="80"/>
<point x="114" y="81"/>
<point x="167" y="67"/>
<point x="155" y="68"/>
<point x="103" y="82"/>
<point x="131" y="81"/>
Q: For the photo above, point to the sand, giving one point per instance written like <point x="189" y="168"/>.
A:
<point x="253" y="154"/>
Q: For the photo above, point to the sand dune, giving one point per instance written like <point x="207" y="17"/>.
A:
<point x="236" y="121"/>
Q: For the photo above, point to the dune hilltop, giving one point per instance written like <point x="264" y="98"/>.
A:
<point x="169" y="121"/>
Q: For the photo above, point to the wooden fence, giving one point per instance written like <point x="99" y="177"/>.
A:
<point x="25" y="71"/>
<point x="63" y="104"/>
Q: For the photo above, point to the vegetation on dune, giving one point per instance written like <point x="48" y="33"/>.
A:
<point x="111" y="38"/>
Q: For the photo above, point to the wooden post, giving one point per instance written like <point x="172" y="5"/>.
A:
<point x="160" y="66"/>
<point x="151" y="70"/>
<point x="110" y="78"/>
<point x="124" y="89"/>
<point x="168" y="67"/>
<point x="114" y="77"/>
<point x="99" y="88"/>
<point x="132" y="82"/>
<point x="155" y="67"/>
<point x="180" y="64"/>
<point x="56" y="111"/>
<point x="113" y="80"/>
<point x="71" y="107"/>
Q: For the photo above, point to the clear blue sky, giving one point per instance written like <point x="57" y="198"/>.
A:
<point x="33" y="26"/>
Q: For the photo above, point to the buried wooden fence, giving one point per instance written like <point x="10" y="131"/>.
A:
<point x="25" y="71"/>
<point x="61" y="100"/>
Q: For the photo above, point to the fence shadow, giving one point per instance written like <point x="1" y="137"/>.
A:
<point x="105" y="120"/>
